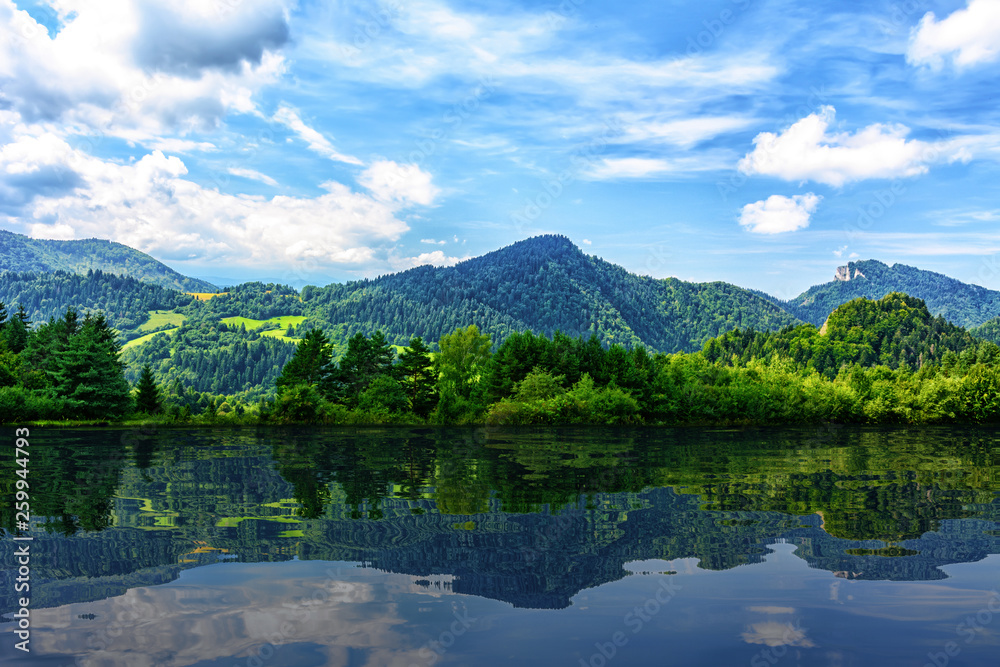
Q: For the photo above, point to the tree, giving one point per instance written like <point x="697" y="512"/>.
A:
<point x="89" y="374"/>
<point x="416" y="373"/>
<point x="463" y="357"/>
<point x="147" y="397"/>
<point x="312" y="364"/>
<point x="365" y="359"/>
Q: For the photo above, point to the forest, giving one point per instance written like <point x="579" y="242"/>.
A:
<point x="873" y="362"/>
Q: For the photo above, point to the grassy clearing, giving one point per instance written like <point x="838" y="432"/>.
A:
<point x="136" y="342"/>
<point x="161" y="318"/>
<point x="205" y="296"/>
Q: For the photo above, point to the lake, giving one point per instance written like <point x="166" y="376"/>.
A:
<point x="395" y="546"/>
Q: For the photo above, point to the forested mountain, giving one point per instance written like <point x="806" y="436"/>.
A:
<point x="895" y="331"/>
<point x="21" y="253"/>
<point x="544" y="284"/>
<point x="125" y="301"/>
<point x="960" y="303"/>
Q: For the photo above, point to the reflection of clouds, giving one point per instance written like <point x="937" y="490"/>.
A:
<point x="773" y="633"/>
<point x="188" y="622"/>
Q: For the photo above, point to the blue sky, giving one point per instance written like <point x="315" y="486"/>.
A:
<point x="753" y="141"/>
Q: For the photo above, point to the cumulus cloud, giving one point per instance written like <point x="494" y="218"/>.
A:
<point x="808" y="151"/>
<point x="151" y="205"/>
<point x="317" y="142"/>
<point x="778" y="214"/>
<point x="402" y="184"/>
<point x="136" y="66"/>
<point x="436" y="258"/>
<point x="967" y="37"/>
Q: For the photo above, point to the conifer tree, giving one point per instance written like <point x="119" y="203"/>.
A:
<point x="147" y="397"/>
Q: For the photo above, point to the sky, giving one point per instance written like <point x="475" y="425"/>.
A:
<point x="759" y="142"/>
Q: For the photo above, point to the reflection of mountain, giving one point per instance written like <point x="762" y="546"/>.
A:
<point x="862" y="504"/>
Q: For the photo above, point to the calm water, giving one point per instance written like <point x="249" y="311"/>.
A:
<point x="490" y="547"/>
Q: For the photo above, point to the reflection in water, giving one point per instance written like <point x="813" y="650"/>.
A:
<point x="533" y="519"/>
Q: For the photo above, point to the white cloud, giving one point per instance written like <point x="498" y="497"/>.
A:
<point x="968" y="37"/>
<point x="586" y="242"/>
<point x="432" y="242"/>
<point x="807" y="151"/>
<point x="151" y="205"/>
<point x="168" y="145"/>
<point x="404" y="184"/>
<point x="839" y="252"/>
<point x="436" y="258"/>
<point x="317" y="142"/>
<point x="131" y="67"/>
<point x="252" y="175"/>
<point x="682" y="132"/>
<point x="778" y="214"/>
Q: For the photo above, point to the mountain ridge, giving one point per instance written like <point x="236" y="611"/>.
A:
<point x="20" y="253"/>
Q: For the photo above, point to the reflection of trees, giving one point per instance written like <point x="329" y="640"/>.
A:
<point x="76" y="490"/>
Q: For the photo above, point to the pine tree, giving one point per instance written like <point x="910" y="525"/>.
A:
<point x="89" y="374"/>
<point x="312" y="364"/>
<point x="147" y="397"/>
<point x="417" y="377"/>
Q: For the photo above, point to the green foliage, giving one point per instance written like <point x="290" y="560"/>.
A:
<point x="19" y="253"/>
<point x="544" y="284"/>
<point x="147" y="395"/>
<point x="125" y="301"/>
<point x="312" y="363"/>
<point x="958" y="302"/>
<point x="416" y="375"/>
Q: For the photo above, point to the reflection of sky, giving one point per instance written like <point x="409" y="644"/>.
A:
<point x="320" y="613"/>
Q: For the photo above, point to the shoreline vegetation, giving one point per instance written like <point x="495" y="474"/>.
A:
<point x="884" y="362"/>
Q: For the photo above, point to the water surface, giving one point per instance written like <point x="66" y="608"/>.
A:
<point x="828" y="546"/>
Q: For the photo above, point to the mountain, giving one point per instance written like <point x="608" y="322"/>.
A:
<point x="21" y="253"/>
<point x="960" y="303"/>
<point x="896" y="330"/>
<point x="544" y="284"/>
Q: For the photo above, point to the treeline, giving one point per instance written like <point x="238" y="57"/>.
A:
<point x="64" y="369"/>
<point x="206" y="356"/>
<point x="876" y="362"/>
<point x="125" y="302"/>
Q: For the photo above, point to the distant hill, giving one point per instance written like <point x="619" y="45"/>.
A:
<point x="960" y="303"/>
<point x="125" y="301"/>
<point x="544" y="284"/>
<point x="896" y="330"/>
<point x="988" y="331"/>
<point x="21" y="253"/>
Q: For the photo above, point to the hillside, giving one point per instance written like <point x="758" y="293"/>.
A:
<point x="988" y="331"/>
<point x="544" y="284"/>
<point x="20" y="253"/>
<point x="960" y="303"/>
<point x="125" y="301"/>
<point x="894" y="331"/>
